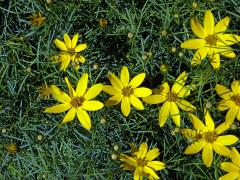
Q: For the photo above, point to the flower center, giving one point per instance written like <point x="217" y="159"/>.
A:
<point x="127" y="91"/>
<point x="171" y="96"/>
<point x="141" y="162"/>
<point x="211" y="40"/>
<point x="198" y="137"/>
<point x="210" y="137"/>
<point x="236" y="99"/>
<point x="71" y="51"/>
<point x="77" y="101"/>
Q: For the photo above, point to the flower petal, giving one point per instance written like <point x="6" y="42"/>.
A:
<point x="59" y="108"/>
<point x="231" y="175"/>
<point x="189" y="134"/>
<point x="74" y="41"/>
<point x="150" y="171"/>
<point x="229" y="167"/>
<point x="67" y="41"/>
<point x="184" y="92"/>
<point x="116" y="83"/>
<point x="152" y="154"/>
<point x="125" y="106"/>
<point x="225" y="104"/>
<point x="197" y="123"/>
<point x="209" y="121"/>
<point x="69" y="116"/>
<point x="222" y="25"/>
<point x="214" y="58"/>
<point x="124" y="76"/>
<point x="235" y="156"/>
<point x="154" y="99"/>
<point x="84" y="118"/>
<point x="114" y="100"/>
<point x="80" y="47"/>
<point x="208" y="22"/>
<point x="60" y="44"/>
<point x="93" y="91"/>
<point x="223" y="92"/>
<point x="185" y="105"/>
<point x="142" y="150"/>
<point x="111" y="90"/>
<point x="225" y="50"/>
<point x="164" y="113"/>
<point x="221" y="150"/>
<point x="65" y="59"/>
<point x="222" y="127"/>
<point x="60" y="95"/>
<point x="82" y="85"/>
<point x="232" y="114"/>
<point x="175" y="114"/>
<point x="207" y="155"/>
<point x="199" y="55"/>
<point x="235" y="86"/>
<point x="197" y="29"/>
<point x="156" y="165"/>
<point x="179" y="82"/>
<point x="226" y="140"/>
<point x="193" y="44"/>
<point x="137" y="173"/>
<point x="142" y="92"/>
<point x="195" y="147"/>
<point x="136" y="102"/>
<point x="92" y="105"/>
<point x="70" y="88"/>
<point x="137" y="80"/>
<point x="229" y="39"/>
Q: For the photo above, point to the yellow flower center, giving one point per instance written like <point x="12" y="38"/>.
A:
<point x="141" y="162"/>
<point x="71" y="51"/>
<point x="127" y="91"/>
<point x="211" y="40"/>
<point x="210" y="137"/>
<point x="77" y="101"/>
<point x="236" y="99"/>
<point x="198" y="137"/>
<point x="171" y="96"/>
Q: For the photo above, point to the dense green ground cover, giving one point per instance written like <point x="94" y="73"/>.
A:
<point x="69" y="151"/>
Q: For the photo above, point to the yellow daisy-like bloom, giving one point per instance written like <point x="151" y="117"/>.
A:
<point x="70" y="51"/>
<point x="207" y="138"/>
<point x="11" y="148"/>
<point x="78" y="102"/>
<point x="172" y="100"/>
<point x="45" y="91"/>
<point x="212" y="40"/>
<point x="37" y="19"/>
<point x="126" y="92"/>
<point x="233" y="168"/>
<point x="142" y="162"/>
<point x="231" y="100"/>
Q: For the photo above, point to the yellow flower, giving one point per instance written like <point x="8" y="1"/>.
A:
<point x="78" y="102"/>
<point x="37" y="19"/>
<point x="141" y="162"/>
<point x="207" y="138"/>
<point x="126" y="92"/>
<point x="103" y="22"/>
<point x="231" y="100"/>
<point x="45" y="91"/>
<point x="212" y="41"/>
<point x="233" y="168"/>
<point x="11" y="148"/>
<point x="172" y="100"/>
<point x="70" y="51"/>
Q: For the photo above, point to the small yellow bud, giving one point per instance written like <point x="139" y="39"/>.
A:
<point x="116" y="147"/>
<point x="4" y="130"/>
<point x="208" y="105"/>
<point x="233" y="126"/>
<point x="95" y="66"/>
<point x="29" y="69"/>
<point x="130" y="35"/>
<point x="114" y="156"/>
<point x="144" y="56"/>
<point x="49" y="1"/>
<point x="103" y="22"/>
<point x="194" y="5"/>
<point x="180" y="54"/>
<point x="176" y="16"/>
<point x="164" y="33"/>
<point x="173" y="49"/>
<point x="103" y="121"/>
<point x="164" y="68"/>
<point x="39" y="137"/>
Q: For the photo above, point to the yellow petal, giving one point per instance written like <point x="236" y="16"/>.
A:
<point x="238" y="116"/>
<point x="92" y="105"/>
<point x="185" y="105"/>
<point x="137" y="80"/>
<point x="67" y="41"/>
<point x="223" y="92"/>
<point x="235" y="156"/>
<point x="156" y="165"/>
<point x="124" y="76"/>
<point x="114" y="100"/>
<point x="197" y="123"/>
<point x="150" y="171"/>
<point x="232" y="114"/>
<point x="70" y="88"/>
<point x="207" y="155"/>
<point x="209" y="121"/>
<point x="175" y="114"/>
<point x="80" y="47"/>
<point x="195" y="147"/>
<point x="221" y="150"/>
<point x="226" y="140"/>
<point x="74" y="41"/>
<point x="69" y="116"/>
<point x="152" y="154"/>
<point x="116" y="83"/>
<point x="229" y="167"/>
<point x="225" y="104"/>
<point x="229" y="39"/>
<point x="181" y="80"/>
<point x="142" y="92"/>
<point x="208" y="22"/>
<point x="93" y="91"/>
<point x="197" y="29"/>
<point x="82" y="85"/>
<point x="184" y="92"/>
<point x="60" y="44"/>
<point x="189" y="134"/>
<point x="222" y="127"/>
<point x="222" y="25"/>
<point x="60" y="95"/>
<point x="235" y="86"/>
<point x="193" y="44"/>
<point x="59" y="108"/>
<point x="154" y="99"/>
<point x="164" y="88"/>
<point x="142" y="150"/>
<point x="136" y="102"/>
<point x="164" y="113"/>
<point x="81" y="59"/>
<point x="225" y="50"/>
<point x="137" y="173"/>
<point x="111" y="90"/>
<point x="214" y="58"/>
<point x="65" y="59"/>
<point x="199" y="55"/>
<point x="84" y="118"/>
<point x="125" y="106"/>
<point x="231" y="175"/>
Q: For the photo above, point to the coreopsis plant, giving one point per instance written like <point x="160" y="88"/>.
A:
<point x="142" y="162"/>
<point x="77" y="102"/>
<point x="37" y="19"/>
<point x="172" y="100"/>
<point x="45" y="91"/>
<point x="231" y="100"/>
<point x="70" y="51"/>
<point x="212" y="40"/>
<point x="208" y="138"/>
<point x="232" y="168"/>
<point x="125" y="91"/>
